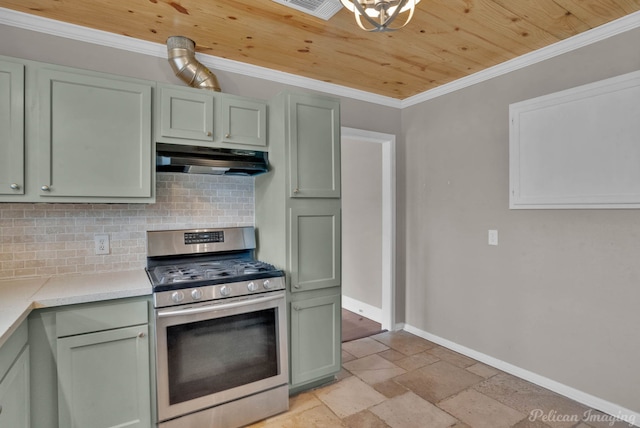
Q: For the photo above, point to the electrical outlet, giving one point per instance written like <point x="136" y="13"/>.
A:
<point x="102" y="244"/>
<point x="493" y="237"/>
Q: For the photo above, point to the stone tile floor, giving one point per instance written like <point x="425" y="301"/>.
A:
<point x="399" y="380"/>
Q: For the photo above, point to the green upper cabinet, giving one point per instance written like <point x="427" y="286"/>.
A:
<point x="200" y="117"/>
<point x="184" y="114"/>
<point x="71" y="135"/>
<point x="94" y="136"/>
<point x="11" y="128"/>
<point x="244" y="121"/>
<point x="314" y="138"/>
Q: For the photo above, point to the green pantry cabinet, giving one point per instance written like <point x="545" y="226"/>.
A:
<point x="14" y="380"/>
<point x="298" y="214"/>
<point x="69" y="135"/>
<point x="91" y="365"/>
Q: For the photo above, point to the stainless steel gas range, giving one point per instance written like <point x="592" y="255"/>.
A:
<point x="221" y="335"/>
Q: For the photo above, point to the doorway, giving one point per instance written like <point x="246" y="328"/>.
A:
<point x="368" y="225"/>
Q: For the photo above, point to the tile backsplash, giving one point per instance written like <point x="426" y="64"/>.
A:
<point x="56" y="239"/>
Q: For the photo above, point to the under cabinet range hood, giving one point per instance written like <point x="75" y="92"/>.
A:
<point x="206" y="160"/>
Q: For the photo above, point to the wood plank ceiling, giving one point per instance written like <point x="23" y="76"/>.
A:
<point x="446" y="40"/>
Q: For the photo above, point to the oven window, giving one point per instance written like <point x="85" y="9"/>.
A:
<point x="214" y="355"/>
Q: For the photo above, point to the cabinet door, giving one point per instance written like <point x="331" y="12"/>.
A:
<point x="95" y="136"/>
<point x="314" y="151"/>
<point x="11" y="128"/>
<point x="14" y="394"/>
<point x="315" y="246"/>
<point x="244" y="121"/>
<point x="103" y="379"/>
<point x="315" y="338"/>
<point x="185" y="114"/>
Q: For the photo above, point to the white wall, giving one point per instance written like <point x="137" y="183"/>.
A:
<point x="559" y="295"/>
<point x="362" y="222"/>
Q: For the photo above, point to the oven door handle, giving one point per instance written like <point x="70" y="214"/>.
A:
<point x="213" y="308"/>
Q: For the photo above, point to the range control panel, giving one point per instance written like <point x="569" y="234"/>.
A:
<point x="161" y="243"/>
<point x="203" y="237"/>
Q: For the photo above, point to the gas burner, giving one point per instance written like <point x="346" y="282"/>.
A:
<point x="220" y="266"/>
<point x="174" y="274"/>
<point x="245" y="268"/>
<point x="218" y="273"/>
<point x="208" y="270"/>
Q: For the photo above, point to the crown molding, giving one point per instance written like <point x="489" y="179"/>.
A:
<point x="84" y="34"/>
<point x="594" y="35"/>
<point x="75" y="32"/>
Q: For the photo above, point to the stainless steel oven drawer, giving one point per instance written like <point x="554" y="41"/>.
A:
<point x="237" y="413"/>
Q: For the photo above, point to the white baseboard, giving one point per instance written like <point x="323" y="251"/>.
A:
<point x="629" y="416"/>
<point x="362" y="308"/>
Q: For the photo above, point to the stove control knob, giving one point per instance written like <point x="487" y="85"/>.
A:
<point x="196" y="294"/>
<point x="177" y="296"/>
<point x="225" y="291"/>
<point x="252" y="286"/>
<point x="266" y="284"/>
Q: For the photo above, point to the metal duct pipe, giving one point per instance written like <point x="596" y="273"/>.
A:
<point x="182" y="57"/>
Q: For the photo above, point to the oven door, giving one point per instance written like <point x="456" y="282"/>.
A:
<point x="213" y="353"/>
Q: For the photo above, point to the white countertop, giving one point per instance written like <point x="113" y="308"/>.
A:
<point x="18" y="297"/>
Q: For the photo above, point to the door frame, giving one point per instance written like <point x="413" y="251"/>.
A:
<point x="388" y="142"/>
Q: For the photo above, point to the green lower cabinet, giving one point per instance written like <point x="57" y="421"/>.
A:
<point x="103" y="379"/>
<point x="91" y="365"/>
<point x="315" y="338"/>
<point x="14" y="394"/>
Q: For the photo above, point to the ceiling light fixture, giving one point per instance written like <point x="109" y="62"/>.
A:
<point x="378" y="15"/>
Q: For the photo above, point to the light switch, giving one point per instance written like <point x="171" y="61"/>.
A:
<point x="493" y="237"/>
